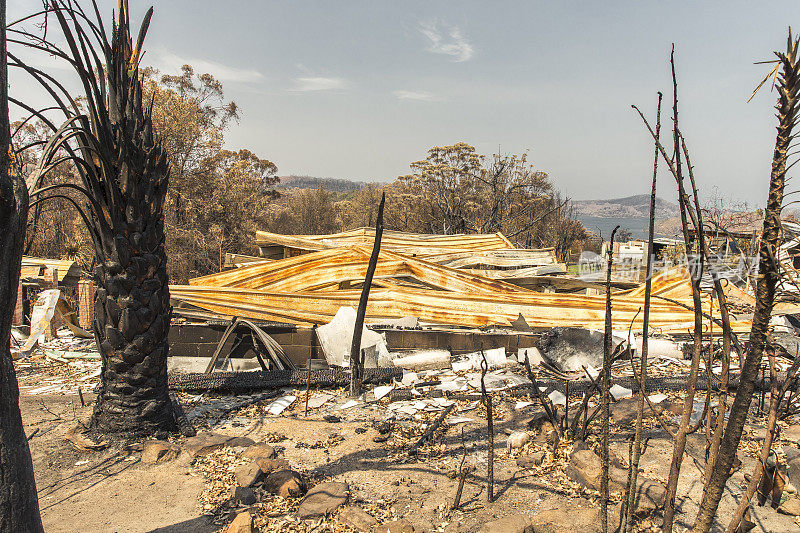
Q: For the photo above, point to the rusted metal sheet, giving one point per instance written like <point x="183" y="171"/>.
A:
<point x="408" y="243"/>
<point x="474" y="308"/>
<point x="327" y="269"/>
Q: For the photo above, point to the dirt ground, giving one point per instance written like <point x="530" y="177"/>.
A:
<point x="111" y="490"/>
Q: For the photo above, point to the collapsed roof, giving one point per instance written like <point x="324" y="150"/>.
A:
<point x="436" y="286"/>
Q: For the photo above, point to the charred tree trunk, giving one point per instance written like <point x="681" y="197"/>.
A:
<point x="132" y="309"/>
<point x="768" y="274"/>
<point x="19" y="504"/>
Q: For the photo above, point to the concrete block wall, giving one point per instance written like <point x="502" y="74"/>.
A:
<point x="300" y="343"/>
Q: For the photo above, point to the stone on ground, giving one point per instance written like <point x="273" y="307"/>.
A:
<point x="793" y="468"/>
<point x="790" y="507"/>
<point x="357" y="518"/>
<point x="272" y="465"/>
<point x="159" y="451"/>
<point x="205" y="443"/>
<point x="247" y="475"/>
<point x="323" y="499"/>
<point x="285" y="483"/>
<point x="259" y="450"/>
<point x="585" y="467"/>
<point x="244" y="495"/>
<point x="243" y="523"/>
<point x="241" y="442"/>
<point x="530" y="460"/>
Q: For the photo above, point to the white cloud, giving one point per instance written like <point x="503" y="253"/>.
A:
<point x="416" y="95"/>
<point x="170" y="63"/>
<point x="447" y="40"/>
<point x="318" y="83"/>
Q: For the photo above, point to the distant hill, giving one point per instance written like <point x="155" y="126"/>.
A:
<point x="629" y="207"/>
<point x="329" y="184"/>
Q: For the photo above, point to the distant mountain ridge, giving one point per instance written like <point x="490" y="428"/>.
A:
<point x="329" y="184"/>
<point x="637" y="206"/>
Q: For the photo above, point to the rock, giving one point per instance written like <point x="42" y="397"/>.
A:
<point x="357" y="518"/>
<point x="585" y="467"/>
<point x="272" y="465"/>
<point x="624" y="411"/>
<point x="791" y="453"/>
<point x="159" y="451"/>
<point x="243" y="523"/>
<point x="259" y="450"/>
<point x="241" y="442"/>
<point x="517" y="440"/>
<point x="790" y="507"/>
<point x="650" y="495"/>
<point x="204" y="443"/>
<point x="396" y="526"/>
<point x="793" y="470"/>
<point x="244" y="495"/>
<point x="571" y="348"/>
<point x="247" y="475"/>
<point x="285" y="483"/>
<point x="529" y="461"/>
<point x="509" y="524"/>
<point x="323" y="499"/>
<point x="567" y="521"/>
<point x="79" y="437"/>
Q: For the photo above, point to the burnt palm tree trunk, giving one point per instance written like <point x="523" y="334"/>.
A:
<point x="132" y="309"/>
<point x="124" y="175"/>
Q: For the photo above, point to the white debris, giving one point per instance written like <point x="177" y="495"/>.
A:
<point x="382" y="390"/>
<point x="349" y="404"/>
<point x="592" y="371"/>
<point x="470" y="406"/>
<point x="663" y="348"/>
<point x="336" y="338"/>
<point x="619" y="392"/>
<point x="625" y="336"/>
<point x="319" y="400"/>
<point x="408" y="378"/>
<point x="472" y="361"/>
<point x="557" y="398"/>
<point x="452" y="383"/>
<point x="497" y="380"/>
<point x="522" y="405"/>
<point x="423" y="360"/>
<point x="453" y="420"/>
<point x="674" y="360"/>
<point x="657" y="398"/>
<point x="533" y="355"/>
<point x="278" y="406"/>
<point x="404" y="322"/>
<point x="42" y="314"/>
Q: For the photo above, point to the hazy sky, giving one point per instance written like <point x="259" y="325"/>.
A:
<point x="359" y="89"/>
